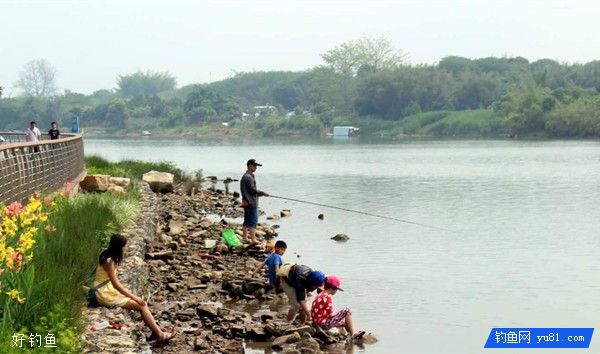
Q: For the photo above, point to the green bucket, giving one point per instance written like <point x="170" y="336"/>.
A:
<point x="231" y="238"/>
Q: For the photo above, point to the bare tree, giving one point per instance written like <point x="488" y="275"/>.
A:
<point x="367" y="53"/>
<point x="37" y="78"/>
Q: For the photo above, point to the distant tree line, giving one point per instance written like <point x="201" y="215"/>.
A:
<point x="366" y="78"/>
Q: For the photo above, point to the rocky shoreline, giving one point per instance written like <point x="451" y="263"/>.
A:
<point x="206" y="293"/>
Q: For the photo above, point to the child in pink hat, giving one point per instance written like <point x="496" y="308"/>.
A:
<point x="322" y="309"/>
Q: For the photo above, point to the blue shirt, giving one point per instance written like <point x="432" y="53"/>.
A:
<point x="273" y="261"/>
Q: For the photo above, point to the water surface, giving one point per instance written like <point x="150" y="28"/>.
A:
<point x="526" y="216"/>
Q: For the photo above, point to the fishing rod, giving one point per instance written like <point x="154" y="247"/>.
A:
<point x="362" y="212"/>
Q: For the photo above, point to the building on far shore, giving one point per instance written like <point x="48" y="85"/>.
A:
<point x="346" y="131"/>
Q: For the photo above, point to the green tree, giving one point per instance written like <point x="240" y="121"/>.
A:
<point x="148" y="83"/>
<point x="204" y="104"/>
<point x="393" y="94"/>
<point x="525" y="109"/>
<point x="116" y="114"/>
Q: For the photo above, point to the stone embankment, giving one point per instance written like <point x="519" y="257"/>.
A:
<point x="133" y="273"/>
<point x="200" y="287"/>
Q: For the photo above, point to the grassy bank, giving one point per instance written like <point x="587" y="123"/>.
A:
<point x="133" y="169"/>
<point x="470" y="123"/>
<point x="439" y="123"/>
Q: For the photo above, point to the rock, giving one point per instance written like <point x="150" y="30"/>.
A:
<point x="324" y="336"/>
<point x="300" y="330"/>
<point x="173" y="245"/>
<point x="165" y="239"/>
<point x="368" y="338"/>
<point x="291" y="350"/>
<point x="233" y="347"/>
<point x="160" y="182"/>
<point x="118" y="342"/>
<point x="281" y="341"/>
<point x="201" y="344"/>
<point x="116" y="190"/>
<point x="205" y="224"/>
<point x="185" y="315"/>
<point x="237" y="330"/>
<point x="197" y="234"/>
<point x="172" y="287"/>
<point x="95" y="183"/>
<point x="285" y="212"/>
<point x="268" y="316"/>
<point x="251" y="287"/>
<point x="197" y="286"/>
<point x="221" y="248"/>
<point x="176" y="227"/>
<point x="340" y="237"/>
<point x="206" y="277"/>
<point x="308" y="345"/>
<point x="321" y="216"/>
<point x="168" y="254"/>
<point x="273" y="217"/>
<point x="207" y="311"/>
<point x="257" y="332"/>
<point x="119" y="181"/>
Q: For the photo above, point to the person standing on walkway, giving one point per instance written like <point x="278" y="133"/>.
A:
<point x="33" y="134"/>
<point x="54" y="132"/>
<point x="250" y="201"/>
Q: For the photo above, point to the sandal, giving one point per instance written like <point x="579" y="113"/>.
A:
<point x="358" y="335"/>
<point x="167" y="337"/>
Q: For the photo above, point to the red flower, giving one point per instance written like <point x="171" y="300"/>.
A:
<point x="14" y="209"/>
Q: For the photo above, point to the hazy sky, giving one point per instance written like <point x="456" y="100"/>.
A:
<point x="91" y="42"/>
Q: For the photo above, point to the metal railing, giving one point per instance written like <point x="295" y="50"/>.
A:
<point x="28" y="167"/>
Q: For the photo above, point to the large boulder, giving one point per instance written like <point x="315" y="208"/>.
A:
<point x="95" y="183"/>
<point x="119" y="181"/>
<point x="160" y="182"/>
<point x="280" y="342"/>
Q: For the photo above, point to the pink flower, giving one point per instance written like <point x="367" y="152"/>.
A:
<point x="68" y="189"/>
<point x="14" y="209"/>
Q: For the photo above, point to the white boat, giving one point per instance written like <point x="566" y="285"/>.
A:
<point x="146" y="133"/>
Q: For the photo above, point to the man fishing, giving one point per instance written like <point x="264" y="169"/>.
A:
<point x="250" y="201"/>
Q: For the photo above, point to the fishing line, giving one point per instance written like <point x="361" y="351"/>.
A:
<point x="363" y="213"/>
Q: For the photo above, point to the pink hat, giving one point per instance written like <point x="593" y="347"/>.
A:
<point x="334" y="281"/>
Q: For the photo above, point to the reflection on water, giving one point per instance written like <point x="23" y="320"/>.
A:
<point x="527" y="213"/>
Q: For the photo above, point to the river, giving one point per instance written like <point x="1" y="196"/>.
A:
<point x="523" y="250"/>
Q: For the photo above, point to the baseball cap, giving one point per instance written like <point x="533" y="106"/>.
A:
<point x="253" y="162"/>
<point x="334" y="282"/>
<point x="316" y="278"/>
